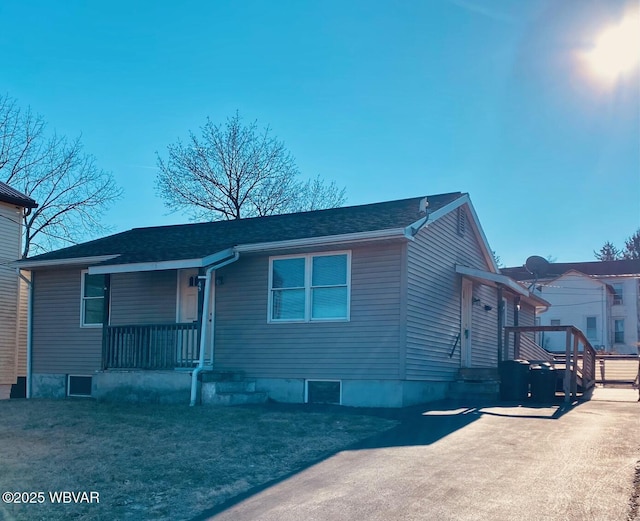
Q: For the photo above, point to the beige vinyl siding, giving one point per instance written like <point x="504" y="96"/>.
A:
<point x="147" y="297"/>
<point x="433" y="302"/>
<point x="23" y="309"/>
<point x="484" y="337"/>
<point x="9" y="251"/>
<point x="366" y="347"/>
<point x="60" y="345"/>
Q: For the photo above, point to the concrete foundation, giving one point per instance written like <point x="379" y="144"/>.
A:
<point x="360" y="393"/>
<point x="142" y="386"/>
<point x="48" y="385"/>
<point x="5" y="391"/>
<point x="285" y="390"/>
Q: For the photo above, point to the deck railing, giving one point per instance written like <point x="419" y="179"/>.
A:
<point x="150" y="346"/>
<point x="579" y="364"/>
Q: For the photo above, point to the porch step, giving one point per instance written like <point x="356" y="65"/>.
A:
<point x="231" y="392"/>
<point x="234" y="398"/>
<point x="221" y="376"/>
<point x="479" y="374"/>
<point x="468" y="390"/>
<point x="244" y="386"/>
<point x="475" y="383"/>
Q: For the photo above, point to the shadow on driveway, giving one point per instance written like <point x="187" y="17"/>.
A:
<point x="419" y="425"/>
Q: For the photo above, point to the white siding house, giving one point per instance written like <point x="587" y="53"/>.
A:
<point x="600" y="298"/>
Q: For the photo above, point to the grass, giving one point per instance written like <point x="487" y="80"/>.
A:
<point x="158" y="462"/>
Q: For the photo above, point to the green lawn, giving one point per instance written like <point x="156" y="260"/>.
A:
<point x="157" y="462"/>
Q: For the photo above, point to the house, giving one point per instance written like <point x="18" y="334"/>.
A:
<point x="601" y="298"/>
<point x="13" y="292"/>
<point x="372" y="305"/>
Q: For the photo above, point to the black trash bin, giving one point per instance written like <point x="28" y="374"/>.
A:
<point x="543" y="383"/>
<point x="514" y="380"/>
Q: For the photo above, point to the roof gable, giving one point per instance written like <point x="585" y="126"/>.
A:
<point x="192" y="241"/>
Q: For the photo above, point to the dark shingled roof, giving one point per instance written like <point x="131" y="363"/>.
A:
<point x="11" y="196"/>
<point x="619" y="267"/>
<point x="194" y="241"/>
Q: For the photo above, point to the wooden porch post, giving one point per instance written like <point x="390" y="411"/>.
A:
<point x="566" y="386"/>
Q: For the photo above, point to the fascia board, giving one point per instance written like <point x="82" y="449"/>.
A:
<point x="218" y="256"/>
<point x="321" y="241"/>
<point x="76" y="261"/>
<point x="413" y="228"/>
<point x="146" y="266"/>
<point x="492" y="277"/>
<point x="488" y="252"/>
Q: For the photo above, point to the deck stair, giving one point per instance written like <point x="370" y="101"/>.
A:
<point x="229" y="388"/>
<point x="477" y="383"/>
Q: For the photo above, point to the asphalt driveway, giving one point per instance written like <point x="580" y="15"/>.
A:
<point x="462" y="462"/>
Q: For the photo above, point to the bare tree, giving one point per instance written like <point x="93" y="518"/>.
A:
<point x="234" y="170"/>
<point x="70" y="189"/>
<point x="608" y="252"/>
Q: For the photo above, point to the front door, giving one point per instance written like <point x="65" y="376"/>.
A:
<point x="188" y="307"/>
<point x="466" y="316"/>
<point x="187" y="341"/>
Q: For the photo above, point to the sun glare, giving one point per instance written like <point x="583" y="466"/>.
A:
<point x="616" y="51"/>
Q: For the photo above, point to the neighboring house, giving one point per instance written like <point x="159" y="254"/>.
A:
<point x="372" y="305"/>
<point x="13" y="292"/>
<point x="601" y="298"/>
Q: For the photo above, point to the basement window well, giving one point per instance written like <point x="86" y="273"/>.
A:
<point x="79" y="386"/>
<point x="323" y="391"/>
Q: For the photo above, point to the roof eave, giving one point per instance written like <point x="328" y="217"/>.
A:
<point x="26" y="264"/>
<point x="375" y="235"/>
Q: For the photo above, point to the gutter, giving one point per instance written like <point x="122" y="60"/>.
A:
<point x="203" y="329"/>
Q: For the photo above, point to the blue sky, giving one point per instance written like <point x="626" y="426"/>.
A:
<point x="389" y="99"/>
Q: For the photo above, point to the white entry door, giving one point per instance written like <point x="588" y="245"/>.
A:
<point x="466" y="317"/>
<point x="188" y="308"/>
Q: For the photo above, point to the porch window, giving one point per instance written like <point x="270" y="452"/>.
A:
<point x="92" y="305"/>
<point x="618" y="331"/>
<point x="309" y="287"/>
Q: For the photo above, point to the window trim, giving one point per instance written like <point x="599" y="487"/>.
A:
<point x="82" y="301"/>
<point x="308" y="272"/>
<point x="595" y="328"/>
<point x="69" y="376"/>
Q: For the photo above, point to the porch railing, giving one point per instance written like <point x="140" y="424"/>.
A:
<point x="150" y="346"/>
<point x="579" y="364"/>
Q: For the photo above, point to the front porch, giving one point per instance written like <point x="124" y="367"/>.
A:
<point x="152" y="346"/>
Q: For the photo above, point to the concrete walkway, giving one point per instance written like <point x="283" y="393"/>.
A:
<point x="462" y="462"/>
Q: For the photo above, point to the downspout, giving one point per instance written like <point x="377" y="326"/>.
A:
<point x="29" y="322"/>
<point x="203" y="329"/>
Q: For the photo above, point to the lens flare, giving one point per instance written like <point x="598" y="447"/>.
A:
<point x="616" y="52"/>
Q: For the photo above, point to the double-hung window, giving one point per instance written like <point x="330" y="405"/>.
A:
<point x="310" y="287"/>
<point x="92" y="305"/>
